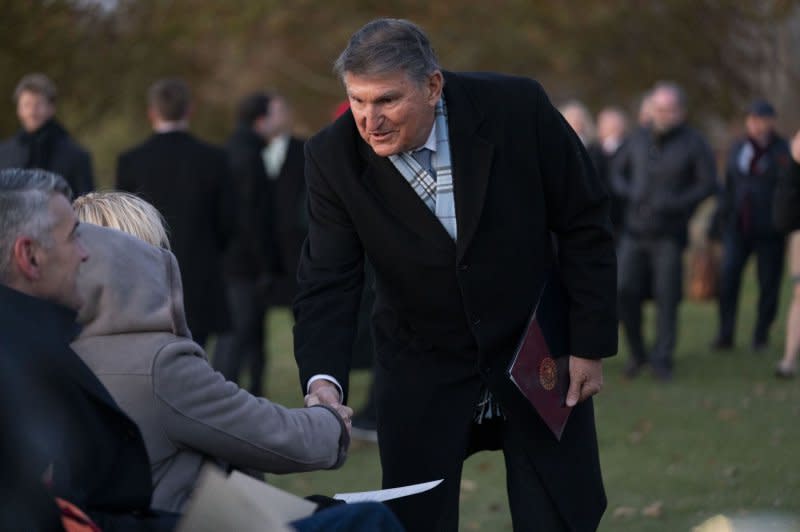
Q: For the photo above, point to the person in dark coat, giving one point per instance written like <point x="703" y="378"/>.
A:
<point x="77" y="440"/>
<point x="252" y="260"/>
<point x="787" y="219"/>
<point x="745" y="211"/>
<point x="188" y="181"/>
<point x="612" y="126"/>
<point x="458" y="271"/>
<point x="283" y="162"/>
<point x="42" y="142"/>
<point x="662" y="173"/>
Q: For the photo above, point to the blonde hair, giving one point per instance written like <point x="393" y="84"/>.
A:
<point x="126" y="212"/>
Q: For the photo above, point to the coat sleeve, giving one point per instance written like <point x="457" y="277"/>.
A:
<point x="704" y="183"/>
<point x="83" y="174"/>
<point x="330" y="281"/>
<point x="578" y="213"/>
<point x="199" y="409"/>
<point x="787" y="198"/>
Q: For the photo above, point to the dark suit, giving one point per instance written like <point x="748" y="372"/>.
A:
<point x="447" y="315"/>
<point x="188" y="182"/>
<point x="291" y="225"/>
<point x="50" y="148"/>
<point x="97" y="454"/>
<point x="745" y="204"/>
<point x="251" y="256"/>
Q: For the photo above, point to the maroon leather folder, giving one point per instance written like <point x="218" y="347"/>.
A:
<point x="540" y="366"/>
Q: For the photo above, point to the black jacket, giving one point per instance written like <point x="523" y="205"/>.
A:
<point x="787" y="199"/>
<point x="50" y="148"/>
<point x="662" y="179"/>
<point x="291" y="221"/>
<point x="746" y="196"/>
<point x="447" y="312"/>
<point x="253" y="249"/>
<point x="70" y="422"/>
<point x="189" y="182"/>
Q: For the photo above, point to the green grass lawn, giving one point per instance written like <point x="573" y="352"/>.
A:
<point x="724" y="437"/>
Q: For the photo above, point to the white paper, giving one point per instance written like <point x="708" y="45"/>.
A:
<point x="387" y="494"/>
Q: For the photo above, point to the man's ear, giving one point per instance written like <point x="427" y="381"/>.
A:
<point x="25" y="257"/>
<point x="435" y="84"/>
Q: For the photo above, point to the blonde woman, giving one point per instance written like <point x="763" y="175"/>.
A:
<point x="136" y="340"/>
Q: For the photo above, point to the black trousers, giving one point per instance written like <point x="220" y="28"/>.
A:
<point x="769" y="253"/>
<point x="245" y="343"/>
<point x="410" y="454"/>
<point x="660" y="261"/>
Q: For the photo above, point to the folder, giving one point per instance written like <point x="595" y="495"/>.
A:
<point x="540" y="365"/>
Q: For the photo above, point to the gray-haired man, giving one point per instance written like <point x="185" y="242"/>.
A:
<point x="452" y="185"/>
<point x="71" y="432"/>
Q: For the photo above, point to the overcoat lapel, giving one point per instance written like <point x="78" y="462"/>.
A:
<point x="471" y="159"/>
<point x="392" y="190"/>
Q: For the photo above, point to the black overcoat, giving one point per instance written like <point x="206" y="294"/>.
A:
<point x="189" y="182"/>
<point x="449" y="315"/>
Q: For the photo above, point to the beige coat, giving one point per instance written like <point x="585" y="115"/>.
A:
<point x="136" y="340"/>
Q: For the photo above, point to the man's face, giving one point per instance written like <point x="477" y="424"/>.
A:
<point x="759" y="128"/>
<point x="279" y="118"/>
<point x="393" y="113"/>
<point x="33" y="110"/>
<point x="666" y="110"/>
<point x="59" y="263"/>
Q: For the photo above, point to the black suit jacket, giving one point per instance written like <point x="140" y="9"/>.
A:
<point x="291" y="221"/>
<point x="67" y="419"/>
<point x="520" y="174"/>
<point x="50" y="148"/>
<point x="189" y="182"/>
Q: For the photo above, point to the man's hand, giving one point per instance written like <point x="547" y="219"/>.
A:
<point x="324" y="392"/>
<point x="796" y="147"/>
<point x="585" y="379"/>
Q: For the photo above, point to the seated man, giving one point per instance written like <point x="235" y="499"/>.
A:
<point x="136" y="340"/>
<point x="76" y="439"/>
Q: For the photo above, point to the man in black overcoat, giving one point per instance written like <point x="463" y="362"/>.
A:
<point x="188" y="181"/>
<point x="458" y="271"/>
<point x="42" y="142"/>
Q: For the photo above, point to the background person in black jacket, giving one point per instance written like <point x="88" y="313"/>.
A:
<point x="252" y="260"/>
<point x="662" y="173"/>
<point x="745" y="205"/>
<point x="75" y="437"/>
<point x="188" y="181"/>
<point x="787" y="219"/>
<point x="42" y="142"/>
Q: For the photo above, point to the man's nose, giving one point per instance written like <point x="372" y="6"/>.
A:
<point x="372" y="118"/>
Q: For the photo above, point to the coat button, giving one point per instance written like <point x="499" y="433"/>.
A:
<point x="463" y="267"/>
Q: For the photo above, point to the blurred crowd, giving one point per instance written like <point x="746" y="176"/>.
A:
<point x="659" y="170"/>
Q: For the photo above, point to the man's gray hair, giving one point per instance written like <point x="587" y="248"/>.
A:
<point x="388" y="45"/>
<point x="24" y="198"/>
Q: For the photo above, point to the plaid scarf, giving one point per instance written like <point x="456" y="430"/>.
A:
<point x="436" y="193"/>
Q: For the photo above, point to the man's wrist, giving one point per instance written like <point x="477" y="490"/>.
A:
<point x="321" y="380"/>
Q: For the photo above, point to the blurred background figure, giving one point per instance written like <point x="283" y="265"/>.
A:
<point x="745" y="213"/>
<point x="612" y="127"/>
<point x="578" y="117"/>
<point x="644" y="116"/>
<point x="787" y="219"/>
<point x="188" y="181"/>
<point x="284" y="164"/>
<point x="251" y="261"/>
<point x="42" y="142"/>
<point x="663" y="172"/>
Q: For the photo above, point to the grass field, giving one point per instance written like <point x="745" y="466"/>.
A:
<point x="724" y="437"/>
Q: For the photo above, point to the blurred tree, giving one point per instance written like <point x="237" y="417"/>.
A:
<point x="104" y="53"/>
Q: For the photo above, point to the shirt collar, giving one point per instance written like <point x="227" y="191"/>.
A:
<point x="430" y="143"/>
